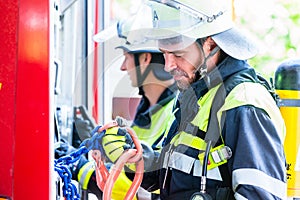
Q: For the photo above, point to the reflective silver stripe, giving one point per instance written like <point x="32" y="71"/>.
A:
<point x="211" y="174"/>
<point x="259" y="179"/>
<point x="216" y="157"/>
<point x="289" y="103"/>
<point x="85" y="174"/>
<point x="180" y="162"/>
<point x="237" y="196"/>
<point x="184" y="163"/>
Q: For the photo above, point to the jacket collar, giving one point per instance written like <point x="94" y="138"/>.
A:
<point x="144" y="111"/>
<point x="222" y="72"/>
<point x="187" y="99"/>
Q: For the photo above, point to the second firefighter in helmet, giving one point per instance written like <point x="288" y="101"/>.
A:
<point x="144" y="64"/>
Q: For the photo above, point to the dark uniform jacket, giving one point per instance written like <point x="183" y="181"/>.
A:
<point x="256" y="169"/>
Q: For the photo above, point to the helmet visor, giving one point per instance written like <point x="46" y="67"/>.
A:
<point x="168" y="19"/>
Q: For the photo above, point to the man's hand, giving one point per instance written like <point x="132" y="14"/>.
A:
<point x="84" y="124"/>
<point x="112" y="142"/>
<point x="63" y="148"/>
<point x="83" y="128"/>
<point x="115" y="141"/>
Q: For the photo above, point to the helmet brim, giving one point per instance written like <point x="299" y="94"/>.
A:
<point x="138" y="49"/>
<point x="237" y="43"/>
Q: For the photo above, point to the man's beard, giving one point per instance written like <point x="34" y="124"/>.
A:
<point x="182" y="85"/>
<point x="184" y="82"/>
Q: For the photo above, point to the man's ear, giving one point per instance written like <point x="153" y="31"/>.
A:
<point x="145" y="59"/>
<point x="209" y="44"/>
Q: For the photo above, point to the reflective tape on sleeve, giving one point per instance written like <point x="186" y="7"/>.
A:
<point x="259" y="179"/>
<point x="85" y="174"/>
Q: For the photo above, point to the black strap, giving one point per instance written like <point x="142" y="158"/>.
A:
<point x="139" y="75"/>
<point x="213" y="130"/>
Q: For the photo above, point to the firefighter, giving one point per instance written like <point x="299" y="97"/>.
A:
<point x="144" y="64"/>
<point x="207" y="56"/>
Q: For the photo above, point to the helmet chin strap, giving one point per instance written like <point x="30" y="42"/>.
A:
<point x="139" y="75"/>
<point x="201" y="71"/>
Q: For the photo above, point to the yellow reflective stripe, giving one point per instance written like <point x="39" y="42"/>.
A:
<point x="160" y="122"/>
<point x="189" y="140"/>
<point x="121" y="187"/>
<point x="113" y="130"/>
<point x="242" y="94"/>
<point x="195" y="142"/>
<point x="170" y="122"/>
<point x="205" y="103"/>
<point x="216" y="157"/>
<point x="85" y="174"/>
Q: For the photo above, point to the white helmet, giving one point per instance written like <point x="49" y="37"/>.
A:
<point x="131" y="40"/>
<point x="133" y="43"/>
<point x="193" y="19"/>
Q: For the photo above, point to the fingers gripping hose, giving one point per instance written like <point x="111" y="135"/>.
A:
<point x="105" y="181"/>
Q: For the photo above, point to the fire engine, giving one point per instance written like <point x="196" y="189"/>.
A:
<point x="50" y="65"/>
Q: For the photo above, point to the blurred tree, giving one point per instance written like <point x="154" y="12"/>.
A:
<point x="276" y="25"/>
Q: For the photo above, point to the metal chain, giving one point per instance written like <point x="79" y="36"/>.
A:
<point x="61" y="164"/>
<point x="61" y="167"/>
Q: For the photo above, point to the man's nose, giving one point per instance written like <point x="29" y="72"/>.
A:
<point x="170" y="62"/>
<point x="123" y="67"/>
